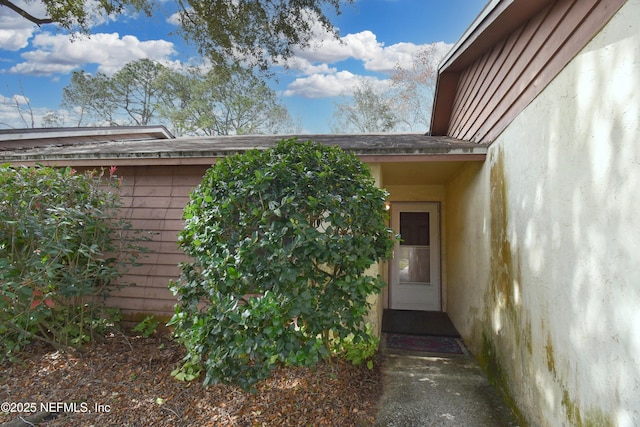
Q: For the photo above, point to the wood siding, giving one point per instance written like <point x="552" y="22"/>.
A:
<point x="154" y="198"/>
<point x="502" y="81"/>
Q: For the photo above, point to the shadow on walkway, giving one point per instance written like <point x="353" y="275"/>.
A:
<point x="428" y="389"/>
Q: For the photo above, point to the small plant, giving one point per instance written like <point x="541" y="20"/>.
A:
<point x="147" y="326"/>
<point x="362" y="350"/>
<point x="188" y="371"/>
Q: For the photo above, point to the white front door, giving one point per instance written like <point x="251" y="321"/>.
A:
<point x="415" y="267"/>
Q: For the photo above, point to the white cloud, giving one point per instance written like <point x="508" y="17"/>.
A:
<point x="306" y="67"/>
<point x="319" y="63"/>
<point x="10" y="115"/>
<point x="14" y="38"/>
<point x="388" y="58"/>
<point x="325" y="48"/>
<point x="321" y="85"/>
<point x="365" y="47"/>
<point x="329" y="85"/>
<point x="57" y="53"/>
<point x="175" y="19"/>
<point x="15" y="30"/>
<point x="16" y="112"/>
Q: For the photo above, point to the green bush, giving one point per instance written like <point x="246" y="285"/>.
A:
<point x="58" y="255"/>
<point x="280" y="241"/>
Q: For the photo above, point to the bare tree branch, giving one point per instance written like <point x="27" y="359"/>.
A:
<point x="22" y="111"/>
<point x="26" y="15"/>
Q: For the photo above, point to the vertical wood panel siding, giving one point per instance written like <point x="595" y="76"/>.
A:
<point x="495" y="88"/>
<point x="486" y="109"/>
<point x="154" y="198"/>
<point x="499" y="59"/>
<point x="475" y="73"/>
<point x="553" y="33"/>
<point x="494" y="62"/>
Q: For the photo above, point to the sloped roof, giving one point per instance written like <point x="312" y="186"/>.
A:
<point x="31" y="138"/>
<point x="198" y="150"/>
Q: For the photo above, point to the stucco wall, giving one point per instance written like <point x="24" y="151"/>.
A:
<point x="374" y="317"/>
<point x="467" y="237"/>
<point x="544" y="281"/>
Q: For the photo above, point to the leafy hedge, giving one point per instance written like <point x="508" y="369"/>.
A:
<point x="280" y="240"/>
<point x="58" y="255"/>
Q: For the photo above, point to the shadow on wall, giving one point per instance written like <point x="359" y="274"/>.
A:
<point x="562" y="321"/>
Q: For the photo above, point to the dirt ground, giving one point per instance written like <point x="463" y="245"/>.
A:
<point x="125" y="381"/>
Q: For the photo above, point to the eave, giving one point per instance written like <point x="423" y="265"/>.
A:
<point x="206" y="150"/>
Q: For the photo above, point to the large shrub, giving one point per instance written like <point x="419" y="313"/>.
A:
<point x="58" y="255"/>
<point x="280" y="241"/>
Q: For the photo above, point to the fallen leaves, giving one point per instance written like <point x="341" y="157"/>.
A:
<point x="127" y="381"/>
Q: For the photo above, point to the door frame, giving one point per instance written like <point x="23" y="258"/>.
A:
<point x="435" y="244"/>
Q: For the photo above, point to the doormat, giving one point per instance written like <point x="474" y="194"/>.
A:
<point x="427" y="344"/>
<point x="423" y="323"/>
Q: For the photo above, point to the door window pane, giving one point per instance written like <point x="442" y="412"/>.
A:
<point x="414" y="228"/>
<point x="415" y="264"/>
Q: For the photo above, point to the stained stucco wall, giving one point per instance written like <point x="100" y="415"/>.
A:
<point x="544" y="237"/>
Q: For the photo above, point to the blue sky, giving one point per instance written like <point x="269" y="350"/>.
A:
<point x="376" y="34"/>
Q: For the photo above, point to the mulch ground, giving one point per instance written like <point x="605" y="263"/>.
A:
<point x="126" y="381"/>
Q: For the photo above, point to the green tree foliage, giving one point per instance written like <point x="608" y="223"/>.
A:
<point x="136" y="91"/>
<point x="58" y="256"/>
<point x="89" y="98"/>
<point x="255" y="32"/>
<point x="215" y="102"/>
<point x="130" y="96"/>
<point x="77" y="15"/>
<point x="280" y="241"/>
<point x="221" y="102"/>
<point x="368" y="111"/>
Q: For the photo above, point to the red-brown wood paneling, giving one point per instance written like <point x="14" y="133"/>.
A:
<point x="154" y="198"/>
<point x="492" y="90"/>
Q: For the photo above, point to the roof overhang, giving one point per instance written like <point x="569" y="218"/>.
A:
<point x="387" y="147"/>
<point x="23" y="138"/>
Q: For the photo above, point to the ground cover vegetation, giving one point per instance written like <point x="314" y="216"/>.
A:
<point x="125" y="380"/>
<point x="62" y="247"/>
<point x="280" y="241"/>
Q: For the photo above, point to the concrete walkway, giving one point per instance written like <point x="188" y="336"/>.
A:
<point x="426" y="389"/>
